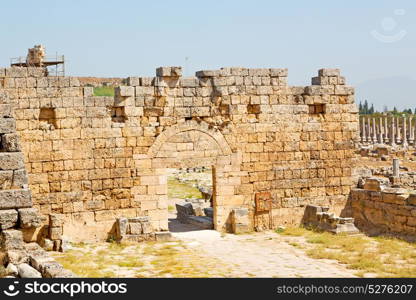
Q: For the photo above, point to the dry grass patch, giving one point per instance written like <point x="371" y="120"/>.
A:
<point x="177" y="189"/>
<point x="384" y="257"/>
<point x="148" y="259"/>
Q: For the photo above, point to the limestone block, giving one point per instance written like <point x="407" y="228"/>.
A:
<point x="47" y="244"/>
<point x="239" y="220"/>
<point x="5" y="110"/>
<point x="29" y="217"/>
<point x="320" y="80"/>
<point x="17" y="256"/>
<point x="147" y="227"/>
<point x="11" y="270"/>
<point x="15" y="199"/>
<point x="169" y="72"/>
<point x="133" y="81"/>
<point x="135" y="228"/>
<point x="124" y="91"/>
<point x="278" y="72"/>
<point x="374" y="184"/>
<point x="56" y="220"/>
<point x="411" y="200"/>
<point x="344" y="90"/>
<point x="26" y="271"/>
<point x="11" y="161"/>
<point x="329" y="72"/>
<point x="11" y="239"/>
<point x="163" y="236"/>
<point x="7" y="125"/>
<point x="55" y="233"/>
<point x="8" y="218"/>
<point x="16" y="72"/>
<point x="207" y="73"/>
<point x="121" y="228"/>
<point x="10" y="142"/>
<point x="88" y="91"/>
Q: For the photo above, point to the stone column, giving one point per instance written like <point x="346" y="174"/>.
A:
<point x="386" y="132"/>
<point x="396" y="167"/>
<point x="411" y="132"/>
<point x="374" y="135"/>
<point x="398" y="133"/>
<point x="392" y="132"/>
<point x="363" y="137"/>
<point x="404" y="139"/>
<point x="368" y="130"/>
<point x="380" y="131"/>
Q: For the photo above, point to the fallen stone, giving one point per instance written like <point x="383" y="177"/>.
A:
<point x="163" y="236"/>
<point x="26" y="271"/>
<point x="17" y="257"/>
<point x="11" y="239"/>
<point x="47" y="244"/>
<point x="12" y="270"/>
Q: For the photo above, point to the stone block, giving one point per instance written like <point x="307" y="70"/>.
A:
<point x="239" y="220"/>
<point x="10" y="142"/>
<point x="374" y="184"/>
<point x="329" y="72"/>
<point x="5" y="110"/>
<point x="133" y="81"/>
<point x="55" y="233"/>
<point x="163" y="236"/>
<point x="88" y="91"/>
<point x="11" y="161"/>
<point x="121" y="227"/>
<point x="135" y="228"/>
<point x="7" y="125"/>
<point x="16" y="72"/>
<point x="169" y="72"/>
<point x="11" y="239"/>
<point x="8" y="218"/>
<point x="15" y="199"/>
<point x="47" y="244"/>
<point x="29" y="217"/>
<point x="147" y="227"/>
<point x="26" y="271"/>
<point x="411" y="200"/>
<point x="278" y="72"/>
<point x="56" y="220"/>
<point x="12" y="270"/>
<point x="124" y="91"/>
<point x="17" y="256"/>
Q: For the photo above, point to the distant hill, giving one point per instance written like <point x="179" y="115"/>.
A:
<point x="393" y="91"/>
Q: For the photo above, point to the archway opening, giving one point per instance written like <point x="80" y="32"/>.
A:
<point x="190" y="199"/>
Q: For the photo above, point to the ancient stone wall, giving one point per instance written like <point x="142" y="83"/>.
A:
<point x="379" y="209"/>
<point x="95" y="159"/>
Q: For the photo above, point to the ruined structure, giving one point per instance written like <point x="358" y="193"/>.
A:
<point x="388" y="130"/>
<point x="92" y="159"/>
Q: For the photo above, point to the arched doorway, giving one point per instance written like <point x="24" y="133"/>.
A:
<point x="188" y="145"/>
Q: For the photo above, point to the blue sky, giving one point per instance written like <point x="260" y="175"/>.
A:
<point x="123" y="38"/>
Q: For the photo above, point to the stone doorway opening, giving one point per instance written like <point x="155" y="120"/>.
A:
<point x="190" y="198"/>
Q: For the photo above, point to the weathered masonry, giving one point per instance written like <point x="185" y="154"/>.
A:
<point x="92" y="160"/>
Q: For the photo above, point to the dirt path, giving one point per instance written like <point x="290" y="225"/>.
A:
<point x="257" y="255"/>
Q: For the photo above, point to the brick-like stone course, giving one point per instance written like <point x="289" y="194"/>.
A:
<point x="95" y="159"/>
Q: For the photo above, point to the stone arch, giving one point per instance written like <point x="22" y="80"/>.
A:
<point x="152" y="188"/>
<point x="189" y="126"/>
